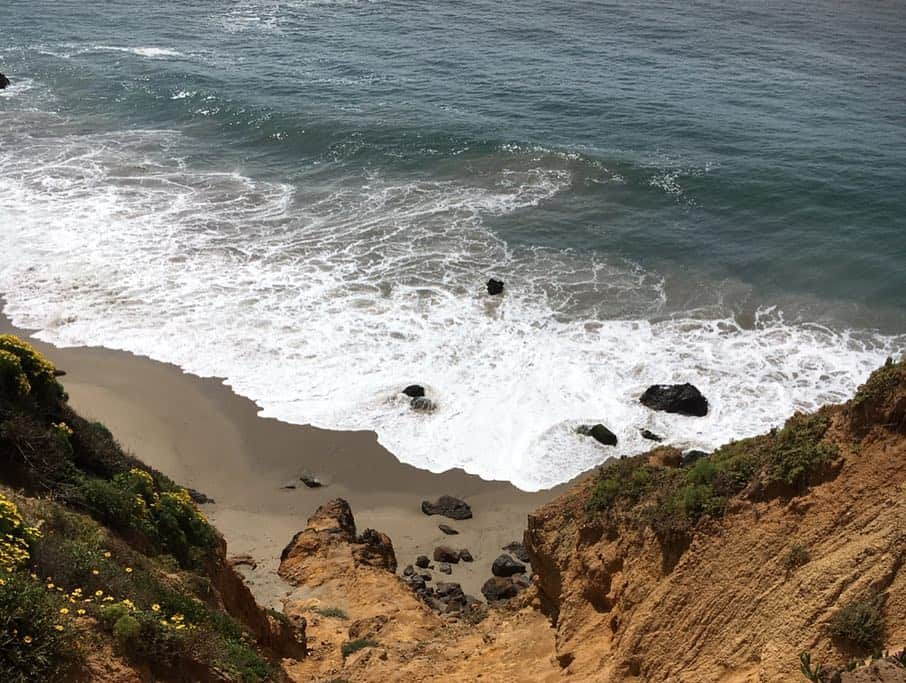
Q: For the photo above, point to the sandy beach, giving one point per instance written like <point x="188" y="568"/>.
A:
<point x="201" y="434"/>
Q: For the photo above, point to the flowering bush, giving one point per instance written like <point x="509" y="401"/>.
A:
<point x="22" y="369"/>
<point x="15" y="536"/>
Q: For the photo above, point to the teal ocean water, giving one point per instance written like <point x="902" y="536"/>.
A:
<point x="305" y="198"/>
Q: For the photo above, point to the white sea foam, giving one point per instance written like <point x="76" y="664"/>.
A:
<point x="321" y="304"/>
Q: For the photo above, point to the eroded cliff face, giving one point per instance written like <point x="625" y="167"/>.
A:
<point x="743" y="594"/>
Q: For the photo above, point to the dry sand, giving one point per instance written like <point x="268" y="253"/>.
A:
<point x="202" y="435"/>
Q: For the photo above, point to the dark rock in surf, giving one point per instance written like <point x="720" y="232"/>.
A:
<point x="414" y="391"/>
<point x="517" y="550"/>
<point x="447" y="529"/>
<point x="495" y="286"/>
<point x="423" y="405"/>
<point x="651" y="436"/>
<point x="4" y="81"/>
<point x="684" y="399"/>
<point x="507" y="566"/>
<point x="448" y="506"/>
<point x="599" y="433"/>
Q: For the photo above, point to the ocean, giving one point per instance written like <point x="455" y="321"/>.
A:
<point x="306" y="198"/>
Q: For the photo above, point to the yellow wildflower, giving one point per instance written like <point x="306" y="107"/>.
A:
<point x="26" y="639"/>
<point x="95" y="572"/>
<point x="99" y="593"/>
<point x="107" y="554"/>
<point x="64" y="610"/>
<point x="80" y="611"/>
<point x="155" y="607"/>
<point x="58" y="627"/>
<point x="128" y="570"/>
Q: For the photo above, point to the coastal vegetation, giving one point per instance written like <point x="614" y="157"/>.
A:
<point x="98" y="550"/>
<point x="672" y="500"/>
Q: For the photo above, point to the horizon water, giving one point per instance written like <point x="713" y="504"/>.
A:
<point x="306" y="197"/>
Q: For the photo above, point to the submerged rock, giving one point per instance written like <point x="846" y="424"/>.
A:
<point x="448" y="506"/>
<point x="495" y="286"/>
<point x="414" y="391"/>
<point x="423" y="405"/>
<point x="505" y="566"/>
<point x="4" y="81"/>
<point x="599" y="433"/>
<point x="651" y="436"/>
<point x="684" y="399"/>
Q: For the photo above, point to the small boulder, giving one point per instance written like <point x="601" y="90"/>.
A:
<point x="506" y="566"/>
<point x="447" y="529"/>
<point x="311" y="481"/>
<point x="495" y="286"/>
<point x="684" y="399"/>
<point x="651" y="436"/>
<point x="199" y="498"/>
<point x="444" y="553"/>
<point x="289" y="485"/>
<point x="448" y="506"/>
<point x="444" y="568"/>
<point x="423" y="405"/>
<point x="466" y="556"/>
<point x="499" y="588"/>
<point x="422" y="562"/>
<point x="599" y="433"/>
<point x="414" y="391"/>
<point x="517" y="550"/>
<point x="4" y="81"/>
<point x="409" y="570"/>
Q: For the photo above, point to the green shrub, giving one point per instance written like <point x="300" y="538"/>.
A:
<point x="625" y="479"/>
<point x="31" y="646"/>
<point x="33" y="375"/>
<point x="798" y="449"/>
<point x="351" y="646"/>
<point x="126" y="628"/>
<point x="859" y="623"/>
<point x="332" y="612"/>
<point x="881" y="382"/>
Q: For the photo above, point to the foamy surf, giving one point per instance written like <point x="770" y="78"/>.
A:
<point x="320" y="304"/>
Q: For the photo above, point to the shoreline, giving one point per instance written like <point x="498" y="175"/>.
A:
<point x="202" y="435"/>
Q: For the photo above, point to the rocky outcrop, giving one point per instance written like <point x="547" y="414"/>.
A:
<point x="374" y="549"/>
<point x="739" y="594"/>
<point x="448" y="506"/>
<point x="651" y="436"/>
<point x="414" y="631"/>
<point x="675" y="398"/>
